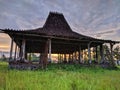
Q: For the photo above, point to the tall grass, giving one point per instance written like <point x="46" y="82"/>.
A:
<point x="60" y="77"/>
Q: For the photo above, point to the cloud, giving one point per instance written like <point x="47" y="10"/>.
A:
<point x="89" y="17"/>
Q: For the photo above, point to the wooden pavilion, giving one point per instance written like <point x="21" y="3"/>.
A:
<point x="55" y="37"/>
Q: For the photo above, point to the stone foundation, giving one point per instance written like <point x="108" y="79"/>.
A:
<point x="23" y="65"/>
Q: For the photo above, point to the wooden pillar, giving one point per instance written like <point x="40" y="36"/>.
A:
<point x="83" y="55"/>
<point x="96" y="55"/>
<point x="69" y="58"/>
<point x="65" y="58"/>
<point x="23" y="49"/>
<point x="29" y="56"/>
<point x="26" y="56"/>
<point x="15" y="52"/>
<point x="11" y="49"/>
<point x="60" y="57"/>
<point x="75" y="56"/>
<point x="79" y="52"/>
<point x="89" y="53"/>
<point x="111" y="56"/>
<point x="111" y="48"/>
<point x="72" y="57"/>
<point x="41" y="60"/>
<point x="101" y="53"/>
<point x="18" y="51"/>
<point x="49" y="40"/>
<point x="45" y="60"/>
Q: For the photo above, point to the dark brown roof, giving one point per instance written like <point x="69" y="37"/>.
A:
<point x="56" y="25"/>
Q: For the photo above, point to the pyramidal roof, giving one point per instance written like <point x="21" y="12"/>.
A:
<point x="56" y="20"/>
<point x="57" y="25"/>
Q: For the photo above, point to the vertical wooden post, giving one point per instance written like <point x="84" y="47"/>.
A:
<point x="83" y="55"/>
<point x="15" y="52"/>
<point x="45" y="55"/>
<point x="65" y="59"/>
<point x="101" y="53"/>
<point x="23" y="49"/>
<point x="49" y="40"/>
<point x="60" y="58"/>
<point x="96" y="55"/>
<point x="111" y="56"/>
<point x="69" y="58"/>
<point x="111" y="48"/>
<point x="79" y="52"/>
<point x="20" y="52"/>
<point x="30" y="56"/>
<point x="11" y="49"/>
<point x="26" y="57"/>
<point x="72" y="57"/>
<point x="75" y="56"/>
<point x="89" y="53"/>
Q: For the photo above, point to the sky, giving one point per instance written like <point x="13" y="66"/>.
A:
<point x="96" y="18"/>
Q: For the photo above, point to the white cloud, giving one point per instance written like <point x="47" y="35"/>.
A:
<point x="88" y="17"/>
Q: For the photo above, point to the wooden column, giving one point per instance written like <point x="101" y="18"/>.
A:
<point x="111" y="56"/>
<point x="29" y="57"/>
<point x="26" y="57"/>
<point x="18" y="51"/>
<point x="60" y="57"/>
<point x="75" y="56"/>
<point x="83" y="55"/>
<point x="44" y="55"/>
<point x="89" y="54"/>
<point x="65" y="59"/>
<point x="15" y="52"/>
<point x="111" y="48"/>
<point x="101" y="53"/>
<point x="23" y="48"/>
<point x="72" y="57"/>
<point x="49" y="40"/>
<point x="69" y="58"/>
<point x="45" y="60"/>
<point x="96" y="55"/>
<point x="11" y="49"/>
<point x="79" y="52"/>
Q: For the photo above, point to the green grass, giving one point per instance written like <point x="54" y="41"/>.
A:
<point x="60" y="77"/>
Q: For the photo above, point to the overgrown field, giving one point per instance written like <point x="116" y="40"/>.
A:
<point x="60" y="77"/>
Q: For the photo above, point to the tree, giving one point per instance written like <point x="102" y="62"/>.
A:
<point x="4" y="57"/>
<point x="117" y="53"/>
<point x="109" y="56"/>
